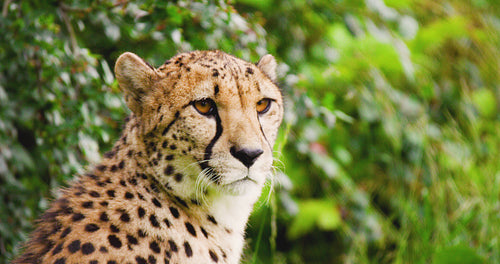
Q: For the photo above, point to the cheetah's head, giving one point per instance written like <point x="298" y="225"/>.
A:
<point x="207" y="119"/>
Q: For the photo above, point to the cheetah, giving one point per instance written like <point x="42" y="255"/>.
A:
<point x="180" y="183"/>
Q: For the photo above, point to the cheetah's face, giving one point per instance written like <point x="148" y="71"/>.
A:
<point x="210" y="119"/>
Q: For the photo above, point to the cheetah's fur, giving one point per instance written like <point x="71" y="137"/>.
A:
<point x="180" y="183"/>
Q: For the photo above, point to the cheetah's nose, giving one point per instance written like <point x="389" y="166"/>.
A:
<point x="245" y="155"/>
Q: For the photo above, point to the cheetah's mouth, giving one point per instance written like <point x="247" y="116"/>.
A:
<point x="242" y="180"/>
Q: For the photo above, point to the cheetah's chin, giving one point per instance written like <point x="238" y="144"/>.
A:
<point x="241" y="186"/>
<point x="242" y="181"/>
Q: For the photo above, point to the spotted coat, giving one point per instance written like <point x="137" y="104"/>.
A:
<point x="180" y="183"/>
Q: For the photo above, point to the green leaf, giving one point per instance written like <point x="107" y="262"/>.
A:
<point x="457" y="254"/>
<point x="485" y="103"/>
<point x="434" y="35"/>
<point x="313" y="213"/>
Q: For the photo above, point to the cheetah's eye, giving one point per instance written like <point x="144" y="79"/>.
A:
<point x="204" y="106"/>
<point x="263" y="105"/>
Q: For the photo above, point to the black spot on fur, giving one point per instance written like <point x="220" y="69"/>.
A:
<point x="174" y="212"/>
<point x="173" y="147"/>
<point x="57" y="249"/>
<point x="151" y="259"/>
<point x="140" y="260"/>
<point x="104" y="217"/>
<point x="121" y="165"/>
<point x="141" y="212"/>
<point x="211" y="219"/>
<point x="190" y="229"/>
<point x="94" y="194"/>
<point x="167" y="222"/>
<point x="141" y="233"/>
<point x="129" y="195"/>
<point x="156" y="202"/>
<point x="114" y="229"/>
<point x="65" y="232"/>
<point x="123" y="183"/>
<point x="173" y="246"/>
<point x="132" y="240"/>
<point x="249" y="70"/>
<point x="92" y="176"/>
<point x="113" y="168"/>
<point x="169" y="157"/>
<point x="60" y="261"/>
<point x="111" y="193"/>
<point x="74" y="246"/>
<point x="182" y="202"/>
<point x="125" y="217"/>
<point x="154" y="246"/>
<point x="77" y="217"/>
<point x="154" y="221"/>
<point x="169" y="170"/>
<point x="110" y="262"/>
<point x="178" y="177"/>
<point x="103" y="250"/>
<point x="87" y="248"/>
<point x="204" y="232"/>
<point x="213" y="256"/>
<point x="216" y="89"/>
<point x="91" y="227"/>
<point x="133" y="181"/>
<point x="101" y="167"/>
<point x="114" y="241"/>
<point x="188" y="250"/>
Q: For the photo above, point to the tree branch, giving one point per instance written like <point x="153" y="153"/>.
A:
<point x="5" y="8"/>
<point x="72" y="35"/>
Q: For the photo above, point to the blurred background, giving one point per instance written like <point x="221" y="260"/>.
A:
<point x="390" y="147"/>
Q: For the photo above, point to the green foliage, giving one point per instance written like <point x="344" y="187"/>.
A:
<point x="484" y="101"/>
<point x="314" y="213"/>
<point x="457" y="254"/>
<point x="389" y="150"/>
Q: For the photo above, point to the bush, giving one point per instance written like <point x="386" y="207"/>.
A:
<point x="390" y="143"/>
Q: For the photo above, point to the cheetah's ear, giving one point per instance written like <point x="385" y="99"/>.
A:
<point x="267" y="64"/>
<point x="135" y="77"/>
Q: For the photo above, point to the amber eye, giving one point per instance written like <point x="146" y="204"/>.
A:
<point x="263" y="105"/>
<point x="204" y="106"/>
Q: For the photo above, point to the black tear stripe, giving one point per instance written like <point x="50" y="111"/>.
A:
<point x="208" y="149"/>
<point x="165" y="131"/>
<point x="262" y="130"/>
